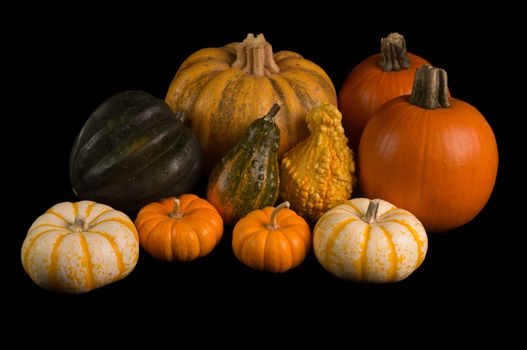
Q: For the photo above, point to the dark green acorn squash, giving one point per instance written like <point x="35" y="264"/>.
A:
<point x="133" y="150"/>
<point x="246" y="178"/>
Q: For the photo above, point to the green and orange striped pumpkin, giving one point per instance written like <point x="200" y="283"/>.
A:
<point x="369" y="241"/>
<point x="77" y="247"/>
<point x="222" y="90"/>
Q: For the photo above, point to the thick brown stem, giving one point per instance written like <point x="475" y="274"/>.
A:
<point x="393" y="53"/>
<point x="371" y="212"/>
<point x="273" y="225"/>
<point x="255" y="56"/>
<point x="79" y="224"/>
<point x="175" y="213"/>
<point x="430" y="88"/>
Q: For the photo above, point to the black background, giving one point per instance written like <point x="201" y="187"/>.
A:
<point x="67" y="64"/>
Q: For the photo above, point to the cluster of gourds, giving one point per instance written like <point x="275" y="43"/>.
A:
<point x="417" y="147"/>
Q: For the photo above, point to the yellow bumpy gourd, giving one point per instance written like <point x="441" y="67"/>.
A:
<point x="318" y="173"/>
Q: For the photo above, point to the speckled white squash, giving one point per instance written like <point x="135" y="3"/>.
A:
<point x="77" y="247"/>
<point x="369" y="241"/>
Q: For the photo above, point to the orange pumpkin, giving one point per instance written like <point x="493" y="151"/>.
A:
<point x="222" y="90"/>
<point x="179" y="229"/>
<point x="432" y="155"/>
<point x="271" y="239"/>
<point x="373" y="82"/>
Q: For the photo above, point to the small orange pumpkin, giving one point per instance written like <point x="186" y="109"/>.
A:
<point x="271" y="239"/>
<point x="179" y="229"/>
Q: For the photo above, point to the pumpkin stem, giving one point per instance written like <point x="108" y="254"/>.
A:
<point x="79" y="224"/>
<point x="175" y="213"/>
<point x="371" y="212"/>
<point x="273" y="225"/>
<point x="430" y="88"/>
<point x="272" y="112"/>
<point x="255" y="56"/>
<point x="393" y="53"/>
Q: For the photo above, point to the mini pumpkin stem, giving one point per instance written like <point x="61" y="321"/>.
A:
<point x="79" y="224"/>
<point x="371" y="212"/>
<point x="393" y="53"/>
<point x="272" y="112"/>
<point x="175" y="213"/>
<point x="273" y="225"/>
<point x="255" y="56"/>
<point x="430" y="89"/>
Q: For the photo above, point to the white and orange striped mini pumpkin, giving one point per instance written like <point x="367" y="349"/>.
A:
<point x="77" y="247"/>
<point x="369" y="241"/>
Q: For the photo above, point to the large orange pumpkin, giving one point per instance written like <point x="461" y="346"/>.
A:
<point x="429" y="154"/>
<point x="179" y="229"/>
<point x="222" y="90"/>
<point x="376" y="80"/>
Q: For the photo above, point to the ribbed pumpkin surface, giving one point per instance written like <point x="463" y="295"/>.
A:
<point x="222" y="101"/>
